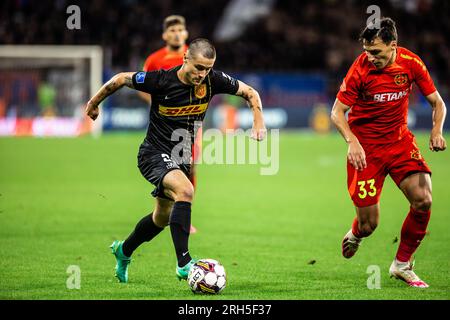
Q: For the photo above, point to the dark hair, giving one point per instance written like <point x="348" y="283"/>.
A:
<point x="202" y="46"/>
<point x="387" y="31"/>
<point x="173" y="20"/>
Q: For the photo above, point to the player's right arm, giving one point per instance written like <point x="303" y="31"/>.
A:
<point x="355" y="155"/>
<point x="259" y="130"/>
<point x="114" y="84"/>
<point x="347" y="97"/>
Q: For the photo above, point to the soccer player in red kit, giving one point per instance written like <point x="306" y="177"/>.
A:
<point x="376" y="91"/>
<point x="175" y="36"/>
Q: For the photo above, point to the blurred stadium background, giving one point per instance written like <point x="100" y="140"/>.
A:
<point x="62" y="201"/>
<point x="295" y="54"/>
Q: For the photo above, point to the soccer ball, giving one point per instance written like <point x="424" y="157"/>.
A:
<point x="207" y="276"/>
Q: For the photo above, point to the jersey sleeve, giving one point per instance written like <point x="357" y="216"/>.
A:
<point x="223" y="83"/>
<point x="422" y="77"/>
<point x="349" y="90"/>
<point x="146" y="81"/>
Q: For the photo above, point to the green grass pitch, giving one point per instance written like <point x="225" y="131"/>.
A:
<point x="63" y="201"/>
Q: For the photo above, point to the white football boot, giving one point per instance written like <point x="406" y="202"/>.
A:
<point x="404" y="271"/>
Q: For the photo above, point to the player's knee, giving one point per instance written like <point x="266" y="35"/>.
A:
<point x="367" y="229"/>
<point x="423" y="203"/>
<point x="185" y="194"/>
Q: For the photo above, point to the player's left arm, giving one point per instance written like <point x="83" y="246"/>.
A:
<point x="426" y="85"/>
<point x="437" y="140"/>
<point x="149" y="65"/>
<point x="114" y="84"/>
<point x="254" y="102"/>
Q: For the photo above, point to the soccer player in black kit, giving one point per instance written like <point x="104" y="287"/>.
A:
<point x="180" y="98"/>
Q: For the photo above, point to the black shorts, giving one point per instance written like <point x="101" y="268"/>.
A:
<point x="155" y="164"/>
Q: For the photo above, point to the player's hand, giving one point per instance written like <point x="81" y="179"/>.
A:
<point x="437" y="141"/>
<point x="92" y="110"/>
<point x="356" y="155"/>
<point x="259" y="132"/>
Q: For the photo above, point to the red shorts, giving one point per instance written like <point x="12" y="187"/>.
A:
<point x="398" y="159"/>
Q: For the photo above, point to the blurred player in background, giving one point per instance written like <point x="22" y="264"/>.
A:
<point x="175" y="36"/>
<point x="180" y="98"/>
<point x="376" y="91"/>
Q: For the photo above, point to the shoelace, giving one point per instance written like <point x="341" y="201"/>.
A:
<point x="409" y="273"/>
<point x="353" y="243"/>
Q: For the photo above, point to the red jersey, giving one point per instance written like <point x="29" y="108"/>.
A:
<point x="164" y="59"/>
<point x="379" y="98"/>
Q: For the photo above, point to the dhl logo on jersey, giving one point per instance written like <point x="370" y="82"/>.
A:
<point x="183" y="110"/>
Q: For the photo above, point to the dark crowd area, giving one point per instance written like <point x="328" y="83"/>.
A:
<point x="295" y="36"/>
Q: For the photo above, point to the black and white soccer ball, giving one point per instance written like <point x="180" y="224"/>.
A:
<point x="207" y="276"/>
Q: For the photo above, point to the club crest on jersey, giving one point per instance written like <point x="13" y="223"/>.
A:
<point x="401" y="79"/>
<point x="200" y="91"/>
<point x="415" y="154"/>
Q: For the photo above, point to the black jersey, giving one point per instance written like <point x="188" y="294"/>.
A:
<point x="176" y="105"/>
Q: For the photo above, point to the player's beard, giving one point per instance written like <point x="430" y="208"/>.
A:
<point x="195" y="80"/>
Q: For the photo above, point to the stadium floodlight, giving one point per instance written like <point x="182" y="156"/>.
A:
<point x="43" y="89"/>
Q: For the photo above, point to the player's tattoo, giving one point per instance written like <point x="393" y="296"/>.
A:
<point x="250" y="96"/>
<point x="247" y="95"/>
<point x="257" y="107"/>
<point x="129" y="81"/>
<point x="112" y="86"/>
<point x="109" y="88"/>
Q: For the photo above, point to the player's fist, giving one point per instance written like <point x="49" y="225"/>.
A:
<point x="437" y="141"/>
<point x="356" y="155"/>
<point x="92" y="110"/>
<point x="259" y="132"/>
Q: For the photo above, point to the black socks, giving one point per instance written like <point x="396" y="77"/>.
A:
<point x="145" y="230"/>
<point x="180" y="222"/>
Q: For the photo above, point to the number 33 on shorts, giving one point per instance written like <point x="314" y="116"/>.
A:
<point x="367" y="188"/>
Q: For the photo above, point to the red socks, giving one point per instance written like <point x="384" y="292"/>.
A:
<point x="355" y="229"/>
<point x="413" y="231"/>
